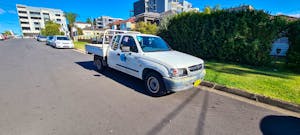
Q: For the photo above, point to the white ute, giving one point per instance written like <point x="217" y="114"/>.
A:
<point x="148" y="58"/>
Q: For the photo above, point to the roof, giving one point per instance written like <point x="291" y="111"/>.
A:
<point x="118" y="22"/>
<point x="91" y="28"/>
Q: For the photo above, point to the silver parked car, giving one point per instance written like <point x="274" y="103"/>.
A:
<point x="41" y="38"/>
<point x="49" y="40"/>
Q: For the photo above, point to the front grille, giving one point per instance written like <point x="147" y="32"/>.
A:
<point x="195" y="68"/>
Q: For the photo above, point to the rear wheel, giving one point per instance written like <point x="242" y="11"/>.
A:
<point x="98" y="61"/>
<point x="154" y="84"/>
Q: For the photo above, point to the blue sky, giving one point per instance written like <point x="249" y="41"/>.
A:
<point x="121" y="8"/>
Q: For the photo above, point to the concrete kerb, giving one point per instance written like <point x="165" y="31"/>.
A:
<point x="256" y="97"/>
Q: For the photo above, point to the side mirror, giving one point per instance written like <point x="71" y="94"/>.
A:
<point x="125" y="49"/>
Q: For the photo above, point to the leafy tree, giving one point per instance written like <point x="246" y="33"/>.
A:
<point x="146" y="28"/>
<point x="207" y="10"/>
<point x="7" y="33"/>
<point x="79" y="30"/>
<point x="94" y="22"/>
<point x="217" y="7"/>
<point x="71" y="17"/>
<point x="89" y="20"/>
<point x="51" y="28"/>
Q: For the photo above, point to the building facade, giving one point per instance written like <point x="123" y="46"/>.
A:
<point x="33" y="19"/>
<point x="103" y="21"/>
<point x="160" y="6"/>
<point x="82" y="25"/>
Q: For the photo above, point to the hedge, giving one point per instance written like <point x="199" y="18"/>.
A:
<point x="240" y="36"/>
<point x="293" y="55"/>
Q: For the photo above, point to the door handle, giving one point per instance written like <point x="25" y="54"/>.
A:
<point x="118" y="54"/>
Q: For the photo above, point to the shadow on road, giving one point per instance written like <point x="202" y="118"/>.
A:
<point x="280" y="125"/>
<point x="159" y="127"/>
<point x="137" y="85"/>
<point x="122" y="78"/>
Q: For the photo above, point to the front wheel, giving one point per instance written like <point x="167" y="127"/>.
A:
<point x="154" y="84"/>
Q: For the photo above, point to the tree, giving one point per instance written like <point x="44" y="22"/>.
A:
<point x="51" y="28"/>
<point x="146" y="28"/>
<point x="94" y="22"/>
<point x="79" y="30"/>
<point x="217" y="7"/>
<point x="89" y="20"/>
<point x="7" y="33"/>
<point x="207" y="10"/>
<point x="71" y="17"/>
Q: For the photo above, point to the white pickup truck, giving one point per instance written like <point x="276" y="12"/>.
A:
<point x="148" y="58"/>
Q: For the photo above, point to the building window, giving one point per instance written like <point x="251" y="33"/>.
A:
<point x="25" y="28"/>
<point x="45" y="13"/>
<point x="38" y="18"/>
<point x="23" y="17"/>
<point x="59" y="20"/>
<point x="37" y="28"/>
<point x="35" y="13"/>
<point x="24" y="22"/>
<point x="57" y="14"/>
<point x="36" y="23"/>
<point x="23" y="12"/>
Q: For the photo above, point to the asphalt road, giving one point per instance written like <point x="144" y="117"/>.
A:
<point x="47" y="91"/>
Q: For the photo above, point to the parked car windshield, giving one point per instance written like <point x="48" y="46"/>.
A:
<point x="152" y="44"/>
<point x="42" y="36"/>
<point x="62" y="38"/>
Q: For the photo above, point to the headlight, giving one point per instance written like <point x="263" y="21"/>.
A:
<point x="178" y="72"/>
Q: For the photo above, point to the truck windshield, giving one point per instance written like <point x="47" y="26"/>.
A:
<point x="152" y="44"/>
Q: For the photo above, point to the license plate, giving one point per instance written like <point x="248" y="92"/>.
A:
<point x="197" y="83"/>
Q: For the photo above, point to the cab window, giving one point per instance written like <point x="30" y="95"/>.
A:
<point x="115" y="42"/>
<point x="129" y="41"/>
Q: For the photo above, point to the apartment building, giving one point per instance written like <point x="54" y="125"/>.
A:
<point x="160" y="6"/>
<point x="33" y="19"/>
<point x="103" y="21"/>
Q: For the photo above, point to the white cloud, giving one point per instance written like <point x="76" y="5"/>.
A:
<point x="2" y="11"/>
<point x="12" y="11"/>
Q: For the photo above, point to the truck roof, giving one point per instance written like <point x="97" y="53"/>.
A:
<point x="136" y="34"/>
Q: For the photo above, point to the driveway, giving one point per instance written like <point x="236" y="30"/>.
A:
<point x="58" y="92"/>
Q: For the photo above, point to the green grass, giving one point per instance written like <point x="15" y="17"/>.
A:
<point x="275" y="83"/>
<point x="80" y="45"/>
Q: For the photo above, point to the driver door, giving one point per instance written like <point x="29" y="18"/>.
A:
<point x="129" y="58"/>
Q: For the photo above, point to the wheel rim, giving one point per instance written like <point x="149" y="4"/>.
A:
<point x="153" y="84"/>
<point x="98" y="64"/>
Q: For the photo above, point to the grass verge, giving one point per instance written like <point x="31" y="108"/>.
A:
<point x="80" y="45"/>
<point x="275" y="83"/>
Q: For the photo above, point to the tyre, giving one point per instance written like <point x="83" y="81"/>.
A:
<point x="154" y="84"/>
<point x="98" y="62"/>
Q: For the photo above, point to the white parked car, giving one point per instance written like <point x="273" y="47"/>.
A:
<point x="62" y="42"/>
<point x="150" y="59"/>
<point x="1" y="37"/>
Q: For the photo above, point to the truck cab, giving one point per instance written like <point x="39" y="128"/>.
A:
<point x="151" y="59"/>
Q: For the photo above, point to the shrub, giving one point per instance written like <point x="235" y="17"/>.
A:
<point x="293" y="54"/>
<point x="146" y="28"/>
<point x="245" y="36"/>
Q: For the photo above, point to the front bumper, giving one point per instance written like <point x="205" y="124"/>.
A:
<point x="184" y="83"/>
<point x="64" y="46"/>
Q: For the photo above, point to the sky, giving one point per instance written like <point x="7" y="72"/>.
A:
<point x="121" y="8"/>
